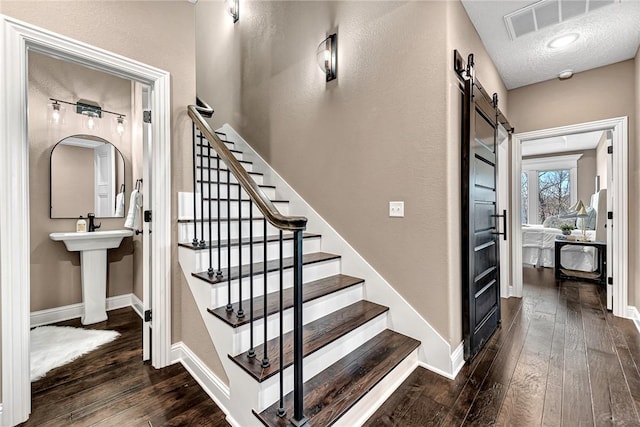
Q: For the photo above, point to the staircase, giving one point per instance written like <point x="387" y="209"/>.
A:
<point x="298" y="340"/>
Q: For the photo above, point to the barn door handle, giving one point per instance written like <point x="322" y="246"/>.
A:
<point x="504" y="224"/>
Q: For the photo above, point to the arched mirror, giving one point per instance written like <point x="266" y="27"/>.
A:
<point x="87" y="175"/>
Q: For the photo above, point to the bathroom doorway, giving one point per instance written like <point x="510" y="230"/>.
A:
<point x="19" y="40"/>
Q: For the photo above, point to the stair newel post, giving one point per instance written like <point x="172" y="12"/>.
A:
<point x="252" y="351"/>
<point x="229" y="306"/>
<point x="209" y="197"/>
<point x="298" y="392"/>
<point x="265" y="357"/>
<point x="281" y="410"/>
<point x="200" y="139"/>
<point x="218" y="198"/>
<point x="240" y="313"/>
<point x="194" y="242"/>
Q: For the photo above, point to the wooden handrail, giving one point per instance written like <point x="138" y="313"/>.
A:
<point x="268" y="209"/>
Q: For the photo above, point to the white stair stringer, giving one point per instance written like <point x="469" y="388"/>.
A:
<point x="441" y="357"/>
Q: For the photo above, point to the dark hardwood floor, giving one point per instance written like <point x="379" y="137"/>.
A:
<point x="559" y="359"/>
<point x="112" y="387"/>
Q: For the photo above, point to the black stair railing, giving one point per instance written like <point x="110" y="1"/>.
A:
<point x="248" y="194"/>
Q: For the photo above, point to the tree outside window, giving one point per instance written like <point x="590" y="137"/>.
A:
<point x="554" y="196"/>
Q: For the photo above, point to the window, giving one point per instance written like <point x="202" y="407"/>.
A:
<point x="548" y="187"/>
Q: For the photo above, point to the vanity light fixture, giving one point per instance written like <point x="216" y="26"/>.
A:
<point x="90" y="110"/>
<point x="327" y="56"/>
<point x="233" y="7"/>
<point x="120" y="125"/>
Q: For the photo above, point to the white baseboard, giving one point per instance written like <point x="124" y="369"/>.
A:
<point x="634" y="314"/>
<point x="137" y="305"/>
<point x="457" y="362"/>
<point x="212" y="385"/>
<point x="73" y="311"/>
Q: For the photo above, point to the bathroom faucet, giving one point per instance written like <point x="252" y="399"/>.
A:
<point x="92" y="225"/>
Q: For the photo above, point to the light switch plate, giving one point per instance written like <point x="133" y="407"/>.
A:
<point x="396" y="209"/>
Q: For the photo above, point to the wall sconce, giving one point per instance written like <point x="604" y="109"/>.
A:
<point x="327" y="55"/>
<point x="91" y="112"/>
<point x="233" y="7"/>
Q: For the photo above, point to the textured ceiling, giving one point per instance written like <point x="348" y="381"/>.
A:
<point x="607" y="35"/>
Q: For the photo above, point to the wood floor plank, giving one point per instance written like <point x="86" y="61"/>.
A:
<point x="552" y="413"/>
<point x="591" y="356"/>
<point x="576" y="400"/>
<point x="111" y="383"/>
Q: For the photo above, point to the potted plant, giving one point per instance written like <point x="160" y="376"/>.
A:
<point x="566" y="229"/>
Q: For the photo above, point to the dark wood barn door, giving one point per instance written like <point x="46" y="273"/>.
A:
<point x="480" y="220"/>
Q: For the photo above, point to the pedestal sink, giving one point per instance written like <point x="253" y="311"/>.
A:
<point x="93" y="263"/>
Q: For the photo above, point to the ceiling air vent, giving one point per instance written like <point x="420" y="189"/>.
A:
<point x="548" y="12"/>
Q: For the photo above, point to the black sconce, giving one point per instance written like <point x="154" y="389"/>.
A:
<point x="327" y="55"/>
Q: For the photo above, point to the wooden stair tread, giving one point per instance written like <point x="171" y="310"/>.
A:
<point x="311" y="291"/>
<point x="316" y="335"/>
<point x="247" y="240"/>
<point x="332" y="392"/>
<point x="259" y="267"/>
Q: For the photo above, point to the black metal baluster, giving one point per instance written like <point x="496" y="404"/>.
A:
<point x="210" y="196"/>
<point x="252" y="351"/>
<point x="265" y="357"/>
<point x="229" y="306"/>
<point x="200" y="137"/>
<point x="194" y="242"/>
<point x="219" y="272"/>
<point x="240" y="313"/>
<point x="298" y="392"/>
<point x="281" y="410"/>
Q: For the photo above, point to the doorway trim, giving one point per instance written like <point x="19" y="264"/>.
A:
<point x="620" y="194"/>
<point x="17" y="38"/>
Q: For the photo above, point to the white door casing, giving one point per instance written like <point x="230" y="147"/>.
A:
<point x="17" y="38"/>
<point x="618" y="193"/>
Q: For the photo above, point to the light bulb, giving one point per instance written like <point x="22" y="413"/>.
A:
<point x="90" y="122"/>
<point x="55" y="114"/>
<point x="120" y="125"/>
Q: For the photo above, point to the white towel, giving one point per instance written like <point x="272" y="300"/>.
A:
<point x="133" y="217"/>
<point x="119" y="211"/>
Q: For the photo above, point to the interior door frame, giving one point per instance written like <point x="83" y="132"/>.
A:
<point x="17" y="38"/>
<point x="620" y="195"/>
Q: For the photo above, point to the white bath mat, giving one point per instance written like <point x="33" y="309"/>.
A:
<point x="53" y="346"/>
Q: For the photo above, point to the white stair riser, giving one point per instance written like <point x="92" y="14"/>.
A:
<point x="186" y="229"/>
<point x="310" y="272"/>
<point x="273" y="252"/>
<point x="322" y="359"/>
<point x="223" y="176"/>
<point x="214" y="165"/>
<point x="230" y="145"/>
<point x="283" y="208"/>
<point x="270" y="192"/>
<point x="313" y="310"/>
<point x="214" y="155"/>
